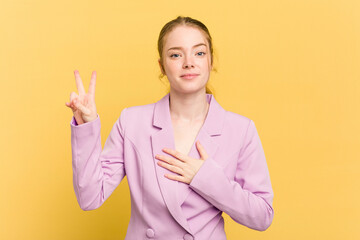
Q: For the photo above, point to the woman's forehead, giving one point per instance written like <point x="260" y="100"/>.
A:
<point x="184" y="36"/>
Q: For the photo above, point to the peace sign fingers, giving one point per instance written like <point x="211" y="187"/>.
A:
<point x="83" y="104"/>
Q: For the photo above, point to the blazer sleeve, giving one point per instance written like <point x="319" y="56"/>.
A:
<point x="96" y="171"/>
<point x="247" y="198"/>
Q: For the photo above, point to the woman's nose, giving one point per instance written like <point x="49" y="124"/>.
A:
<point x="188" y="63"/>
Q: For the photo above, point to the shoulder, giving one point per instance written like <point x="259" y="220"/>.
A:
<point x="237" y="126"/>
<point x="135" y="118"/>
<point x="236" y="120"/>
<point x="133" y="112"/>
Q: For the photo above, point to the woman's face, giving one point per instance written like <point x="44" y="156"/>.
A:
<point x="186" y="59"/>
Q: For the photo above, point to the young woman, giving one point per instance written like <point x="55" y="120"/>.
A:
<point x="186" y="159"/>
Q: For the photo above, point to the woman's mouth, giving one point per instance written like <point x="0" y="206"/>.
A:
<point x="189" y="76"/>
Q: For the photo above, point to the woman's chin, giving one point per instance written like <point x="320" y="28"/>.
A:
<point x="190" y="89"/>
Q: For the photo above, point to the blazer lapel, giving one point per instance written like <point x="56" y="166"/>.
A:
<point x="174" y="192"/>
<point x="208" y="138"/>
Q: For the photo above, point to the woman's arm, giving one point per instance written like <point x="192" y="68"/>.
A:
<point x="96" y="172"/>
<point x="248" y="197"/>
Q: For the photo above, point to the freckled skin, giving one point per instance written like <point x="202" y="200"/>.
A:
<point x="188" y="59"/>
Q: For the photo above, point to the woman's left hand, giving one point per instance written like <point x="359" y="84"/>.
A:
<point x="182" y="164"/>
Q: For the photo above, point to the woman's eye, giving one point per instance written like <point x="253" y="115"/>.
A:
<point x="201" y="53"/>
<point x="174" y="55"/>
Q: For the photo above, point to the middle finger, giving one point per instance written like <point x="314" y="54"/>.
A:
<point x="172" y="168"/>
<point x="79" y="83"/>
<point x="168" y="160"/>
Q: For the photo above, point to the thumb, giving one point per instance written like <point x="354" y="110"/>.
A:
<point x="202" y="151"/>
<point x="82" y="108"/>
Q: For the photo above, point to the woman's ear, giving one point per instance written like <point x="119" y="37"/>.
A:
<point x="161" y="68"/>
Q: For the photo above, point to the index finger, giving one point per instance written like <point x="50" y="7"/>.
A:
<point x="182" y="157"/>
<point x="92" y="84"/>
<point x="79" y="83"/>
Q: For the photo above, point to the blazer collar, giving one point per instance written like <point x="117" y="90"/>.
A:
<point x="213" y="123"/>
<point x="175" y="193"/>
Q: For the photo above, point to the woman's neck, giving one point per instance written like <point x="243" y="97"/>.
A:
<point x="188" y="107"/>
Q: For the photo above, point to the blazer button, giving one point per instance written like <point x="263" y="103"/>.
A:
<point x="188" y="237"/>
<point x="150" y="233"/>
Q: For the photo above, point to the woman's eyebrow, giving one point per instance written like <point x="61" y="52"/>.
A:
<point x="197" y="45"/>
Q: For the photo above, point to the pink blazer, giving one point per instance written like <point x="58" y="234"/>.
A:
<point x="234" y="178"/>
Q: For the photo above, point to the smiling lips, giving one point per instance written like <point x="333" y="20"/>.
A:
<point x="189" y="76"/>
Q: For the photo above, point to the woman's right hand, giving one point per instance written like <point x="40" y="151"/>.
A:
<point x="83" y="104"/>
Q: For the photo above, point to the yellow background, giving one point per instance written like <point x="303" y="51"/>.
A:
<point x="291" y="66"/>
